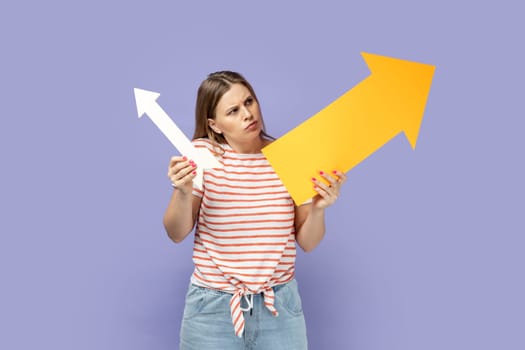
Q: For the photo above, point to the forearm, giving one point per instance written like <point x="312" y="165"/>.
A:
<point x="311" y="232"/>
<point x="179" y="218"/>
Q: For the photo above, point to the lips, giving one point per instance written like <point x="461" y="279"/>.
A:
<point x="251" y="125"/>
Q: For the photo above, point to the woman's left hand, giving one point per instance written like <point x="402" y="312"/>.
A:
<point x="327" y="193"/>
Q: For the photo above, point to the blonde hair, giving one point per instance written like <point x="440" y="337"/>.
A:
<point x="208" y="96"/>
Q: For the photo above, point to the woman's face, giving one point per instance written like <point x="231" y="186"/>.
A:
<point x="238" y="118"/>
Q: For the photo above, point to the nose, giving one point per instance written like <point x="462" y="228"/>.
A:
<point x="246" y="113"/>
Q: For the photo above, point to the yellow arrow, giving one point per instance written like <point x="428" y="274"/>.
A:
<point x="390" y="100"/>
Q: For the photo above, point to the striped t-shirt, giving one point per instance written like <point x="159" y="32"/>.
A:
<point x="245" y="234"/>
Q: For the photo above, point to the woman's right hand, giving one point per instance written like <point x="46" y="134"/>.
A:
<point x="181" y="172"/>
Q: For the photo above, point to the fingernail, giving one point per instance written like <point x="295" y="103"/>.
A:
<point x="314" y="179"/>
<point x="194" y="172"/>
<point x="185" y="158"/>
<point x="194" y="165"/>
<point x="321" y="173"/>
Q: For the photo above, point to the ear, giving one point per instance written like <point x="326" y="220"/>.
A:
<point x="213" y="126"/>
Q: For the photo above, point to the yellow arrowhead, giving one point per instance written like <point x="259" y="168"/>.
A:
<point x="390" y="100"/>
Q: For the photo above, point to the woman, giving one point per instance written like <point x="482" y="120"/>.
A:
<point x="242" y="294"/>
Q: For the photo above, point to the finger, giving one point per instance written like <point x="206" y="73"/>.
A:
<point x="332" y="181"/>
<point x="341" y="177"/>
<point x="181" y="170"/>
<point x="321" y="191"/>
<point x="187" y="178"/>
<point x="176" y="163"/>
<point x="326" y="195"/>
<point x="181" y="165"/>
<point x="176" y="159"/>
<point x="176" y="167"/>
<point x="321" y="184"/>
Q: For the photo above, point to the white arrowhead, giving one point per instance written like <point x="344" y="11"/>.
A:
<point x="147" y="104"/>
<point x="145" y="100"/>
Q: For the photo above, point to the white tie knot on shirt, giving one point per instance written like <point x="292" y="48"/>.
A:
<point x="237" y="310"/>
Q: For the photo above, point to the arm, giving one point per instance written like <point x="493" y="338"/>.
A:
<point x="182" y="210"/>
<point x="181" y="214"/>
<point x="309" y="226"/>
<point x="309" y="218"/>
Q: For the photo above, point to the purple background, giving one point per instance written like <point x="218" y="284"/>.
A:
<point x="424" y="249"/>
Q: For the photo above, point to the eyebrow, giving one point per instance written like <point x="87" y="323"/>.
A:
<point x="235" y="106"/>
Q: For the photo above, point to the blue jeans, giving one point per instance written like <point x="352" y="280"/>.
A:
<point x="207" y="322"/>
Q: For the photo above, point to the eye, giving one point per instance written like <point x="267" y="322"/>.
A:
<point x="249" y="101"/>
<point x="232" y="111"/>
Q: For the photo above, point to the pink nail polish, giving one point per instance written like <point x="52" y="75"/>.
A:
<point x="335" y="171"/>
<point x="184" y="158"/>
<point x="321" y="173"/>
<point x="194" y="172"/>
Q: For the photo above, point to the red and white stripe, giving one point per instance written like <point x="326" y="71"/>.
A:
<point x="245" y="235"/>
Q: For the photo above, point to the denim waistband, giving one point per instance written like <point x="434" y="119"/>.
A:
<point x="220" y="292"/>
<point x="237" y="311"/>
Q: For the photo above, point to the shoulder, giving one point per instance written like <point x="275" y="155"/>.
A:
<point x="202" y="143"/>
<point x="213" y="147"/>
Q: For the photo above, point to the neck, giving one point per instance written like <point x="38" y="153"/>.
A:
<point x="254" y="146"/>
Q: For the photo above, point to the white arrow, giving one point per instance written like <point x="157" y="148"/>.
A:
<point x="147" y="104"/>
